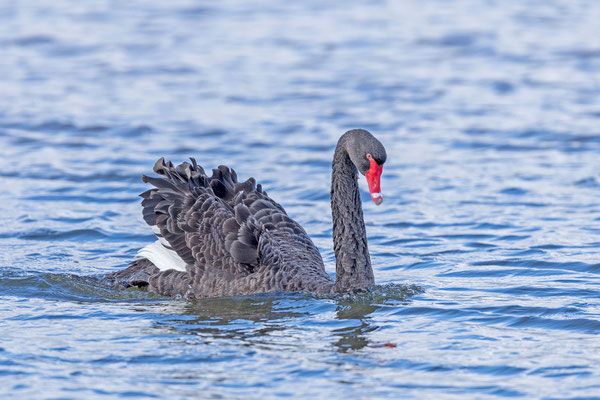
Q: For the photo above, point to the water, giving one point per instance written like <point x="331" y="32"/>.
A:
<point x="489" y="232"/>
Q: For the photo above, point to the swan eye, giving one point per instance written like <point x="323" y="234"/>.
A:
<point x="369" y="156"/>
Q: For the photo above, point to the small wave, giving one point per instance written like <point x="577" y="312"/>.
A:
<point x="50" y="234"/>
<point x="80" y="235"/>
<point x="503" y="87"/>
<point x="34" y="40"/>
<point x="541" y="292"/>
<point x="66" y="287"/>
<point x="459" y="39"/>
<point x="82" y="199"/>
<point x="488" y="225"/>
<point x="539" y="264"/>
<point x="504" y="272"/>
<point x="505" y="316"/>
<point x="66" y="126"/>
<point x="514" y="191"/>
<point x="562" y="371"/>
<point x="380" y="294"/>
<point x="583" y="325"/>
<point x="589" y="182"/>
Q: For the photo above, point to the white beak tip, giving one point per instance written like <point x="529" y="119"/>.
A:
<point x="377" y="198"/>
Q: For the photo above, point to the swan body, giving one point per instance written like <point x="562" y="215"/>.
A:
<point x="220" y="237"/>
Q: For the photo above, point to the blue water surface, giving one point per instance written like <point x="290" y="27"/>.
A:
<point x="486" y="248"/>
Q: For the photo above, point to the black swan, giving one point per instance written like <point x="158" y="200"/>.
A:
<point x="218" y="237"/>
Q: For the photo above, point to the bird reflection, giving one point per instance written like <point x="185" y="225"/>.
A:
<point x="245" y="318"/>
<point x="255" y="320"/>
<point x="354" y="337"/>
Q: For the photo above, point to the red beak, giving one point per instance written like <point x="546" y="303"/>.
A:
<point x="373" y="176"/>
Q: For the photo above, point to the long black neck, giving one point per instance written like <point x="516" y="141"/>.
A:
<point x="353" y="263"/>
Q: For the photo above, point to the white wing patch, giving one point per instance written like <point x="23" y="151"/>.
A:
<point x="159" y="255"/>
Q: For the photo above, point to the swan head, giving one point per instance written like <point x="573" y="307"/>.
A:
<point x="368" y="156"/>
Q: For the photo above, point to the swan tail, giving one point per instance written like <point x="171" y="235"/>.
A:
<point x="137" y="274"/>
<point x="143" y="274"/>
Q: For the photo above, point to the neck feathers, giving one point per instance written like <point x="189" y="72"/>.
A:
<point x="353" y="263"/>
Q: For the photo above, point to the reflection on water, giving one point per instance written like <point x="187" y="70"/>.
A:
<point x="256" y="318"/>
<point x="354" y="337"/>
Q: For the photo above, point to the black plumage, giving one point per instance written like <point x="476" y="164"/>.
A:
<point x="236" y="240"/>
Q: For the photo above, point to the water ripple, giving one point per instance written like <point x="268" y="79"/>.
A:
<point x="485" y="249"/>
